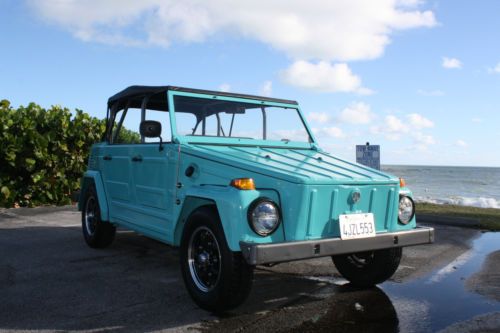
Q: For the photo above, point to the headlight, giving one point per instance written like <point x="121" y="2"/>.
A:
<point x="263" y="216"/>
<point x="406" y="209"/>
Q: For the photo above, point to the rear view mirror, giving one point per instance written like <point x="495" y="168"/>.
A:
<point x="150" y="128"/>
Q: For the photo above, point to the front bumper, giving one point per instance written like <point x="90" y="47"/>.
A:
<point x="257" y="254"/>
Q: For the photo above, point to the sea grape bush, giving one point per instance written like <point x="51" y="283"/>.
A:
<point x="44" y="152"/>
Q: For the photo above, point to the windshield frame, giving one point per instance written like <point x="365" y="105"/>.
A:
<point x="220" y="140"/>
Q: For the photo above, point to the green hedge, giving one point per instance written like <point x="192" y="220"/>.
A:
<point x="43" y="153"/>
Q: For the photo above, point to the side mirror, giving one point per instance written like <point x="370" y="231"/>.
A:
<point x="151" y="129"/>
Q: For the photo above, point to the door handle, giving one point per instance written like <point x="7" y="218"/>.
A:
<point x="107" y="158"/>
<point x="137" y="159"/>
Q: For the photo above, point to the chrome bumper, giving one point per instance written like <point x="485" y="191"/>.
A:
<point x="257" y="254"/>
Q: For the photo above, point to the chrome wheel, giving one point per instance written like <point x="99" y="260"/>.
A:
<point x="90" y="215"/>
<point x="204" y="259"/>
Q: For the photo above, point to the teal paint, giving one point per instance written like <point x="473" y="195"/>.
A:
<point x="311" y="187"/>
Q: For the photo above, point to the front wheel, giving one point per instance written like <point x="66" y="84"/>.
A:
<point x="365" y="269"/>
<point x="97" y="233"/>
<point x="216" y="278"/>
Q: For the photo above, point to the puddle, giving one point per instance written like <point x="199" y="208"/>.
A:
<point x="441" y="298"/>
<point x="427" y="304"/>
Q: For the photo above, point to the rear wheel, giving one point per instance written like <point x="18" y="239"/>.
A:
<point x="216" y="278"/>
<point x="365" y="269"/>
<point x="97" y="233"/>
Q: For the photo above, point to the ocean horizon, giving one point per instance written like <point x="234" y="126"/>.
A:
<point x="456" y="185"/>
<point x="440" y="166"/>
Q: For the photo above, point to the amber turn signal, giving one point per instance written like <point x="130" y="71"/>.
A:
<point x="402" y="182"/>
<point x="243" y="183"/>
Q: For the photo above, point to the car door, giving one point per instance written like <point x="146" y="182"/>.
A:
<point x="153" y="176"/>
<point x="115" y="167"/>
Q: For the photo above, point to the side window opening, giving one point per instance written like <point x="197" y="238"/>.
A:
<point x="126" y="122"/>
<point x="125" y="127"/>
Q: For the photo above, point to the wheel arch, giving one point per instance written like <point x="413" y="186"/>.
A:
<point x="94" y="177"/>
<point x="231" y="205"/>
<point x="191" y="203"/>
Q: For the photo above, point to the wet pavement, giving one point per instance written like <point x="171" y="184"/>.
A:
<point x="50" y="280"/>
<point x="442" y="298"/>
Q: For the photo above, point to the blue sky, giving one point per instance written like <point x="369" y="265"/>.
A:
<point x="420" y="78"/>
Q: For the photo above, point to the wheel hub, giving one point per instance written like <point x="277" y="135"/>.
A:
<point x="203" y="258"/>
<point x="90" y="216"/>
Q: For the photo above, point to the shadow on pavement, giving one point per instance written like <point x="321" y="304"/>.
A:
<point x="331" y="309"/>
<point x="50" y="280"/>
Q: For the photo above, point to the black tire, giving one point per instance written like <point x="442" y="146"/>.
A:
<point x="97" y="233"/>
<point x="216" y="278"/>
<point x="366" y="269"/>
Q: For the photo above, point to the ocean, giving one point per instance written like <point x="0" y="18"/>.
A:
<point x="465" y="186"/>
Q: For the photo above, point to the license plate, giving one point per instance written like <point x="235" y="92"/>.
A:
<point x="356" y="226"/>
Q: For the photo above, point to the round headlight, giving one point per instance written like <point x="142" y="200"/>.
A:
<point x="263" y="216"/>
<point x="406" y="209"/>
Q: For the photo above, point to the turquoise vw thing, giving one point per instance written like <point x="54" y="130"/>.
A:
<point x="237" y="181"/>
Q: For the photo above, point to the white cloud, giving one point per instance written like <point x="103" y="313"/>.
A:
<point x="451" y="63"/>
<point x="323" y="77"/>
<point x="334" y="30"/>
<point x="329" y="132"/>
<point x="357" y="113"/>
<point x="477" y="120"/>
<point x="395" y="125"/>
<point x="319" y="117"/>
<point x="432" y="93"/>
<point x="266" y="89"/>
<point x="495" y="70"/>
<point x="225" y="87"/>
<point x="423" y="139"/>
<point x="418" y="121"/>
<point x="461" y="143"/>
<point x="392" y="128"/>
<point x="395" y="128"/>
<point x="411" y="3"/>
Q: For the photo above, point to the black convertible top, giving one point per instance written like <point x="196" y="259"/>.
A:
<point x="158" y="98"/>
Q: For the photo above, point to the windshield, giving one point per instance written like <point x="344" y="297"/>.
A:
<point x="211" y="117"/>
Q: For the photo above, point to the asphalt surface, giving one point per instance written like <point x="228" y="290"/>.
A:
<point x="51" y="281"/>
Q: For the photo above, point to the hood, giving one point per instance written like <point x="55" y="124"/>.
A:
<point x="303" y="166"/>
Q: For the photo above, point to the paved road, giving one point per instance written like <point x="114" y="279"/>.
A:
<point x="50" y="280"/>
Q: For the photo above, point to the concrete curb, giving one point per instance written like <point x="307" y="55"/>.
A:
<point x="26" y="211"/>
<point x="449" y="220"/>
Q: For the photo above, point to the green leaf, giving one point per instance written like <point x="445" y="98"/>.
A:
<point x="11" y="156"/>
<point x="5" y="191"/>
<point x="44" y="152"/>
<point x="36" y="177"/>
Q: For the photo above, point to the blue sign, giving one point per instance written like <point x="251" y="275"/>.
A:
<point x="368" y="155"/>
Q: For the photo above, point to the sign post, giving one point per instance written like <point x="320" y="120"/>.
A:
<point x="368" y="155"/>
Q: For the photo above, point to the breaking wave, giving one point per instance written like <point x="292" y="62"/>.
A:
<point x="481" y="202"/>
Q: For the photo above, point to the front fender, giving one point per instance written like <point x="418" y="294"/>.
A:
<point x="95" y="177"/>
<point x="232" y="205"/>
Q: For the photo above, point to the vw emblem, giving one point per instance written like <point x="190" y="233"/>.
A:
<point x="355" y="196"/>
